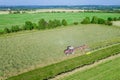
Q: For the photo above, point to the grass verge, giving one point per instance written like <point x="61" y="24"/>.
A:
<point x="67" y="65"/>
<point x="108" y="69"/>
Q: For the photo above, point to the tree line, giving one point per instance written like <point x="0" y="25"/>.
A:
<point x="96" y="20"/>
<point x="42" y="25"/>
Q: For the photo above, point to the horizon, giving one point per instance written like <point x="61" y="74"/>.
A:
<point x="57" y="3"/>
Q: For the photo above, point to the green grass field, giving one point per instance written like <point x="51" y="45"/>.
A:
<point x="7" y="20"/>
<point x="25" y="51"/>
<point x="106" y="71"/>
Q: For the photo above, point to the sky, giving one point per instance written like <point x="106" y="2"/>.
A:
<point x="59" y="2"/>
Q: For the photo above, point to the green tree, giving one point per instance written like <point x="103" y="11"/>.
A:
<point x="64" y="22"/>
<point x="86" y="21"/>
<point x="55" y="23"/>
<point x="101" y="21"/>
<point x="15" y="28"/>
<point x="50" y="24"/>
<point x="28" y="25"/>
<point x="110" y="19"/>
<point x="94" y="20"/>
<point x="115" y="19"/>
<point x="6" y="30"/>
<point x="24" y="27"/>
<point x="35" y="26"/>
<point x="75" y="23"/>
<point x="42" y="24"/>
<point x="119" y="18"/>
<point x="58" y="22"/>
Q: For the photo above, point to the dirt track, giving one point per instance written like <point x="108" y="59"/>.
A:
<point x="85" y="67"/>
<point x="116" y="23"/>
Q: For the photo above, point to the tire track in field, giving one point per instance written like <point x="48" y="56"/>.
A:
<point x="85" y="67"/>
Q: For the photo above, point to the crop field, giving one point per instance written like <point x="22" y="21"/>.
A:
<point x="8" y="20"/>
<point x="109" y="70"/>
<point x="26" y="51"/>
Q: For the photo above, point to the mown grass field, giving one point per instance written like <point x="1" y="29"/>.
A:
<point x="25" y="51"/>
<point x="106" y="71"/>
<point x="68" y="65"/>
<point x="7" y="20"/>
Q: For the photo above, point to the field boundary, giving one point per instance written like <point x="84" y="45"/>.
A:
<point x="85" y="67"/>
<point x="106" y="46"/>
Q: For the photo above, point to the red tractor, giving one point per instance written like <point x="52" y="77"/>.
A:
<point x="71" y="50"/>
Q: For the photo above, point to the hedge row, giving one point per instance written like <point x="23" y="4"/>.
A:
<point x="67" y="65"/>
<point x="96" y="20"/>
<point x="42" y="25"/>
